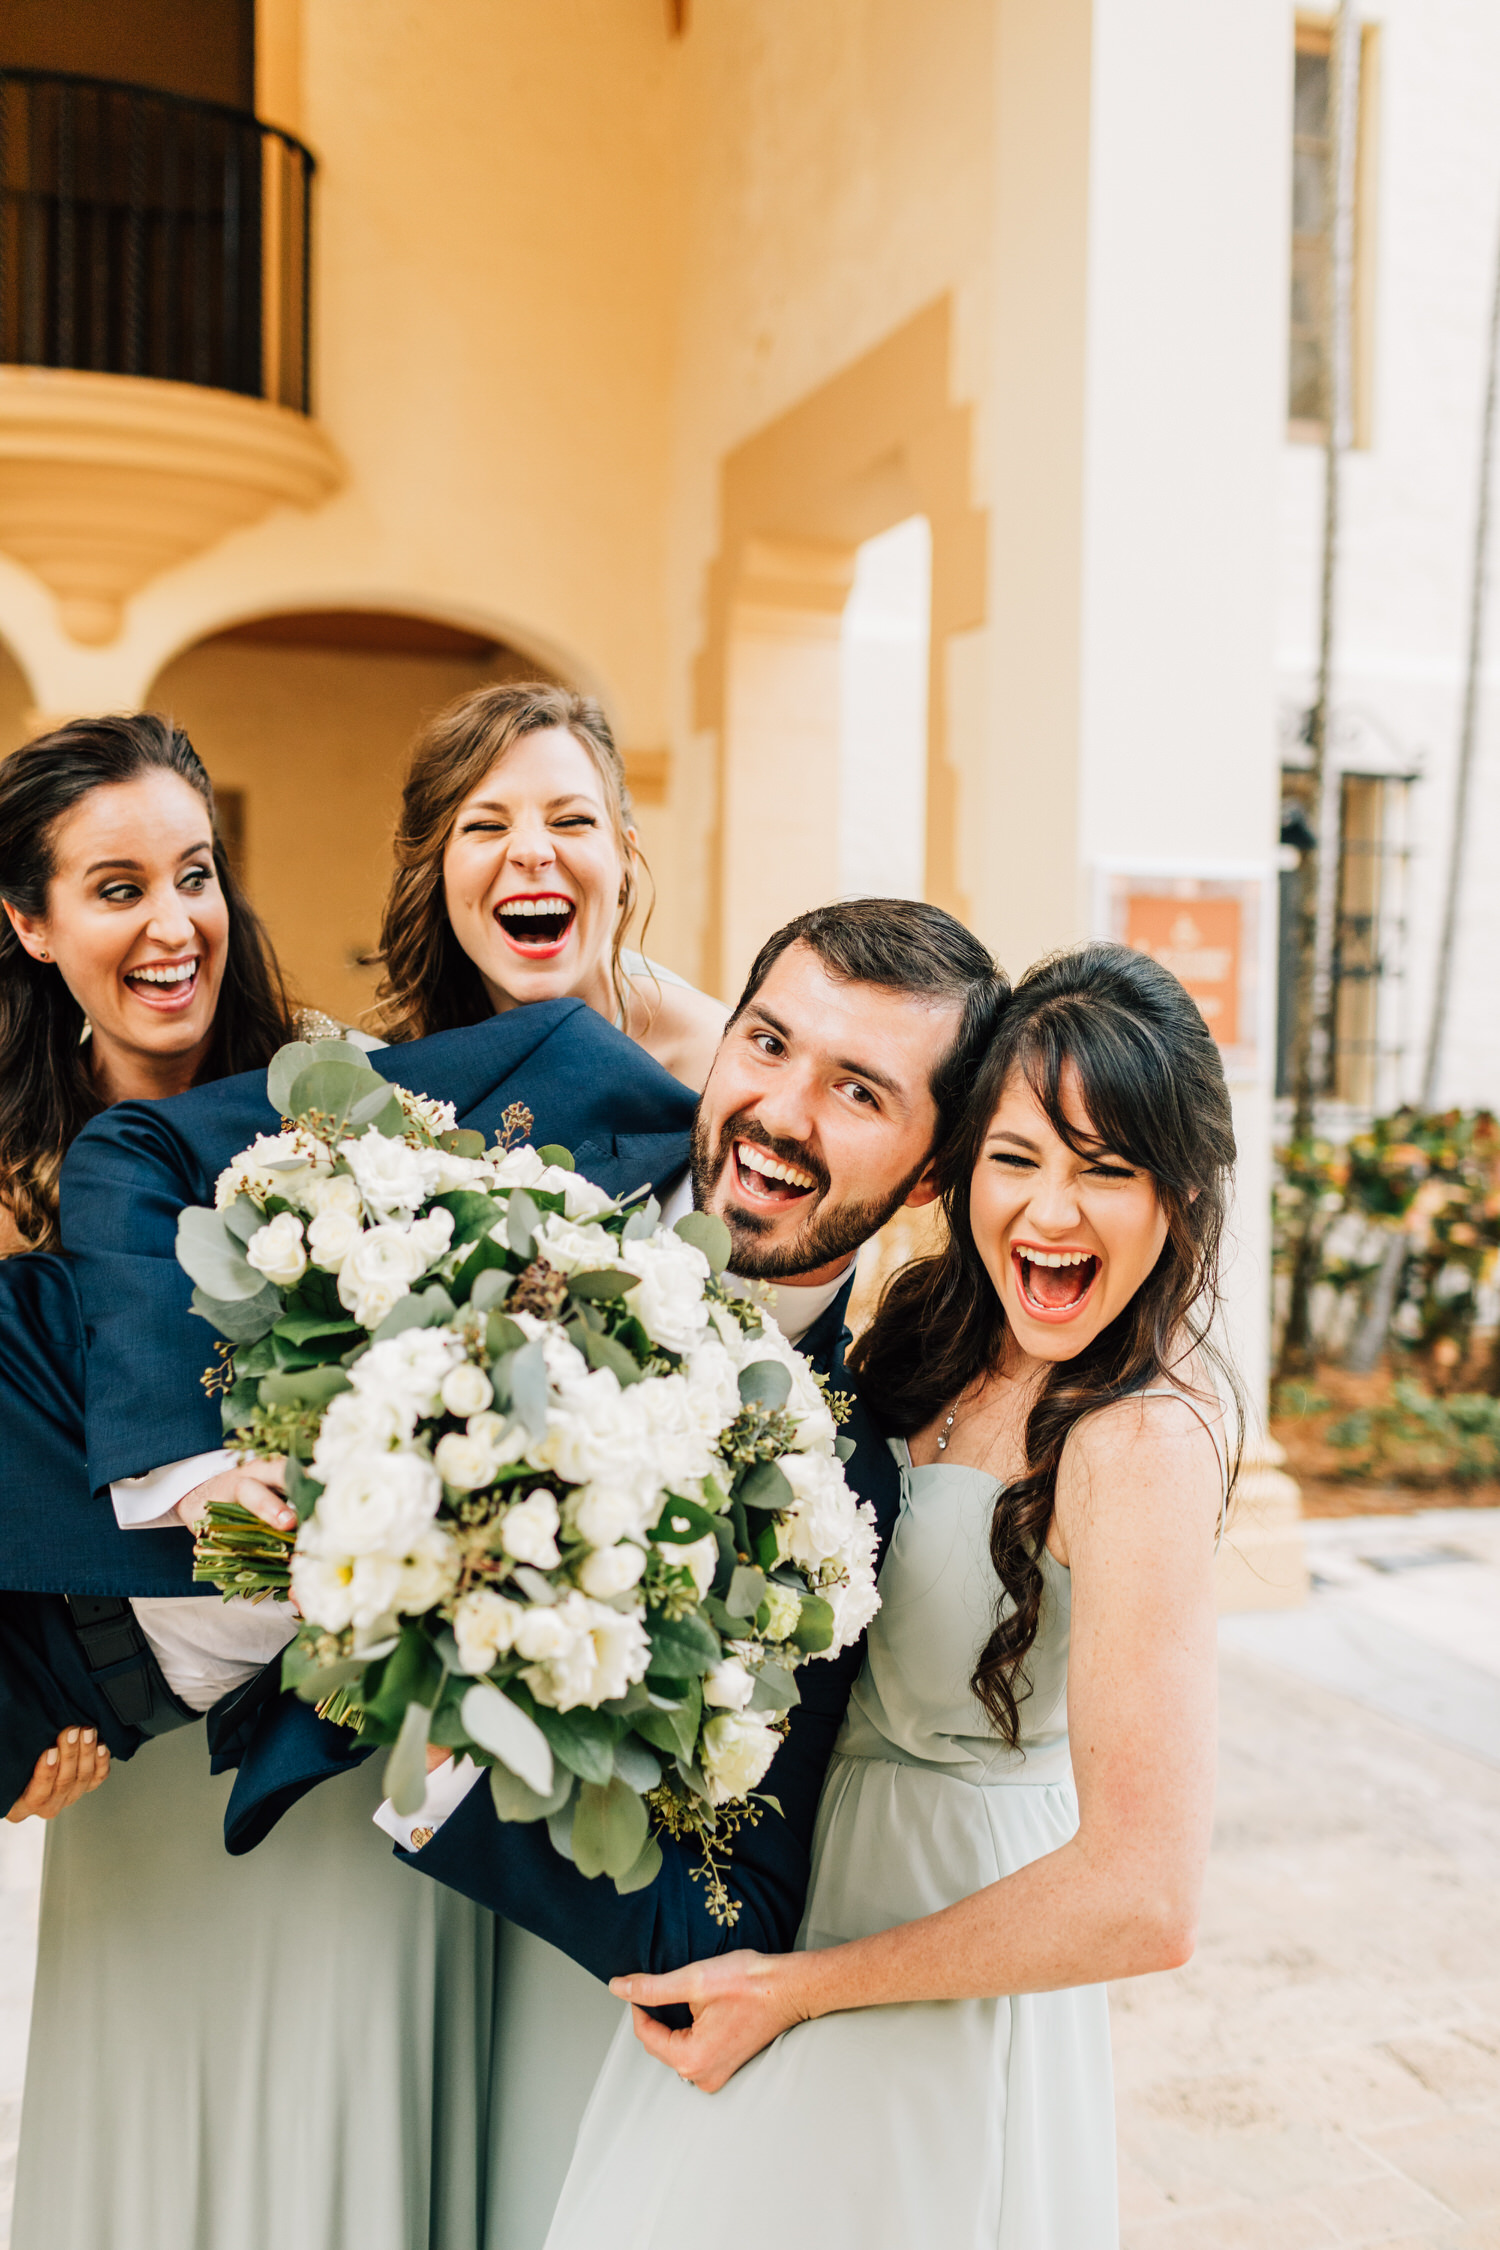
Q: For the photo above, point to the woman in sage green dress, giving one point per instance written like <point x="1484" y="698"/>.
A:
<point x="1019" y="1803"/>
<point x="291" y="2049"/>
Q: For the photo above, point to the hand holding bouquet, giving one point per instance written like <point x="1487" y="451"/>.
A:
<point x="566" y="1502"/>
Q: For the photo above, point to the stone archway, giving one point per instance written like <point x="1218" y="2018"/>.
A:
<point x="304" y="719"/>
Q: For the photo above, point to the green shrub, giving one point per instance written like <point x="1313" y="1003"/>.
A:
<point x="1418" y="1439"/>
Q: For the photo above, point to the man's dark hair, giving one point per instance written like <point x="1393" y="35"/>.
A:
<point x="903" y="945"/>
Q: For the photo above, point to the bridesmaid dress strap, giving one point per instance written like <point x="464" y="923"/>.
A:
<point x="1169" y="1390"/>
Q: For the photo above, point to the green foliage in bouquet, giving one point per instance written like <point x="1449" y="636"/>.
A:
<point x="566" y="1503"/>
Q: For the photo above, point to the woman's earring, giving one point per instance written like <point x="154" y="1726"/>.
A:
<point x="44" y="956"/>
<point x="86" y="1034"/>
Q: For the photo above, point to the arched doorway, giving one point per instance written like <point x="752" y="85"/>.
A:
<point x="304" y="720"/>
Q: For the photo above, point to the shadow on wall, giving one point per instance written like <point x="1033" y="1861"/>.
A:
<point x="305" y="721"/>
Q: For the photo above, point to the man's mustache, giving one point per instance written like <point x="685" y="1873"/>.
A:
<point x="789" y="1152"/>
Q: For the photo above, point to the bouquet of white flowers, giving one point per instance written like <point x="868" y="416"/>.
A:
<point x="565" y="1501"/>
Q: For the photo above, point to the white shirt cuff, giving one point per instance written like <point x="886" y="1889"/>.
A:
<point x="147" y="1503"/>
<point x="447" y="1787"/>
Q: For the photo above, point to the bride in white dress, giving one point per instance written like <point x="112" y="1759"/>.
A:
<point x="1019" y="1804"/>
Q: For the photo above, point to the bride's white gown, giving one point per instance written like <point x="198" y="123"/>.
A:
<point x="950" y="2125"/>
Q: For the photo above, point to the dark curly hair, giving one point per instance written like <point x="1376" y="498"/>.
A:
<point x="1152" y="1088"/>
<point x="47" y="1090"/>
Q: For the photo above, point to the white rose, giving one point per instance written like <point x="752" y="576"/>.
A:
<point x="543" y="1634"/>
<point x="442" y="1173"/>
<point x="356" y="1424"/>
<point x="581" y="1199"/>
<point x="334" y="1192"/>
<point x="601" y="1515"/>
<point x="389" y="1173"/>
<point x="784" y="1608"/>
<point x="701" y="1558"/>
<point x="573" y="1249"/>
<point x="528" y="1530"/>
<point x="378" y="1271"/>
<point x="523" y="1168"/>
<point x="270" y="1166"/>
<point x="408" y="1369"/>
<point x="323" y="1588"/>
<point x="853" y="1595"/>
<point x="727" y="1685"/>
<point x="506" y="1440"/>
<point x="332" y="1236"/>
<point x="667" y="1300"/>
<point x="737" y="1751"/>
<point x="377" y="1589"/>
<point x="484" y="1625"/>
<point x="611" y="1570"/>
<point x="431" y="1236"/>
<point x="713" y="1387"/>
<point x="806" y="1402"/>
<point x="826" y="1512"/>
<point x="466" y="1463"/>
<point x="380" y="1505"/>
<point x="429" y="1572"/>
<point x="466" y="1389"/>
<point x="600" y="1652"/>
<point x="518" y="1167"/>
<point x="276" y="1250"/>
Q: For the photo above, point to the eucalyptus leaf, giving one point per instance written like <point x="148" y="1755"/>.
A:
<point x="635" y="1765"/>
<point x="371" y="1108"/>
<point x="765" y="1382"/>
<point x="560" y="1827"/>
<point x="747" y="1590"/>
<point x="610" y="1829"/>
<point x="532" y="1583"/>
<point x="514" y="1801"/>
<point x="216" y="1261"/>
<point x="775" y="1689"/>
<point x="645" y="1870"/>
<point x="502" y="1335"/>
<point x="312" y="1683"/>
<point x="843" y="1447"/>
<point x="332" y="1085"/>
<point x="600" y="1286"/>
<point x="708" y="1233"/>
<point x="502" y="1728"/>
<point x="766" y="1486"/>
<point x="473" y="1214"/>
<point x="243" y="1320"/>
<point x="681" y="1523"/>
<point x="313" y="1386"/>
<point x="555" y="1153"/>
<point x="242" y="1219"/>
<point x="287" y="1065"/>
<point x="683" y="1647"/>
<point x="642" y="1222"/>
<point x="491" y="1288"/>
<point x="522" y="1218"/>
<point x="462" y="1142"/>
<point x="302" y="1491"/>
<point x="528" y="1387"/>
<point x="406" y="1767"/>
<point x="603" y="1351"/>
<point x="308" y="1328"/>
<point x="581" y="1739"/>
<point x="814" y="1629"/>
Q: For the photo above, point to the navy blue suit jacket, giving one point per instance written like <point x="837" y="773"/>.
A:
<point x="513" y="1869"/>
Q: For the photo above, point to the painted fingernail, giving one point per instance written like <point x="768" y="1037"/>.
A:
<point x="52" y="1757"/>
<point x="88" y="1734"/>
<point x="72" y="1734"/>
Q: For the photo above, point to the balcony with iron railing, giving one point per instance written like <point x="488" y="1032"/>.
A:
<point x="155" y="316"/>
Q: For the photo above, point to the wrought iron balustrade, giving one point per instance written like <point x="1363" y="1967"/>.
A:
<point x="142" y="233"/>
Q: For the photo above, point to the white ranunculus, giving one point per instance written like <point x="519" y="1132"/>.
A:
<point x="429" y="1572"/>
<point x="784" y="1608"/>
<point x="432" y="1235"/>
<point x="826" y="1513"/>
<point x="334" y="1192"/>
<point x="277" y="1251"/>
<point x="701" y="1558"/>
<point x="331" y="1237"/>
<point x="379" y="1505"/>
<point x="467" y="1389"/>
<point x="727" y="1685"/>
<point x="668" y="1300"/>
<point x="611" y="1570"/>
<point x="442" y="1173"/>
<point x="528" y="1530"/>
<point x="389" y="1173"/>
<point x="738" y="1747"/>
<point x="356" y="1424"/>
<point x="484" y="1626"/>
<point x="522" y="1167"/>
<point x="466" y="1463"/>
<point x="378" y="1271"/>
<point x="408" y="1369"/>
<point x="573" y="1249"/>
<point x="600" y="1652"/>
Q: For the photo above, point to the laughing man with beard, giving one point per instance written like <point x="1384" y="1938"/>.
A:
<point x="837" y="1077"/>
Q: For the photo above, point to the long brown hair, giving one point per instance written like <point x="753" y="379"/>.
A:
<point x="47" y="1089"/>
<point x="430" y="983"/>
<point x="1153" y="1090"/>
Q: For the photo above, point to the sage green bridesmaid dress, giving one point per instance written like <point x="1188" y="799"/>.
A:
<point x="949" y="2125"/>
<point x="288" y="2051"/>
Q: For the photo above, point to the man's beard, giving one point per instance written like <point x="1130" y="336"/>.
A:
<point x="824" y="1235"/>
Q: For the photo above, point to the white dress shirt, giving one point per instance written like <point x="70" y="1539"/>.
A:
<point x="794" y="1309"/>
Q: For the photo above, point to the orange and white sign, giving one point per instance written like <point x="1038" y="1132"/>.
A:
<point x="1199" y="940"/>
<point x="1204" y="927"/>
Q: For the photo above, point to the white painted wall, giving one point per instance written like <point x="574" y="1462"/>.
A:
<point x="883" y="649"/>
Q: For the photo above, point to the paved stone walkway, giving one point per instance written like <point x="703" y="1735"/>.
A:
<point x="1327" y="2069"/>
